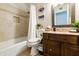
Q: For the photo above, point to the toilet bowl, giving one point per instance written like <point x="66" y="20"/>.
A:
<point x="33" y="43"/>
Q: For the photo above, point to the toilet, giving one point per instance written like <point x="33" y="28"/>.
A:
<point x="33" y="43"/>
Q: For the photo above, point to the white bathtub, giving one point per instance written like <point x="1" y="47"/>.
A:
<point x="11" y="48"/>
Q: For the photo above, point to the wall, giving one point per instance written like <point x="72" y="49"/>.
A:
<point x="9" y="26"/>
<point x="47" y="15"/>
<point x="41" y="21"/>
<point x="77" y="12"/>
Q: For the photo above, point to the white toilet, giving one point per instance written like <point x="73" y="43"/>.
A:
<point x="33" y="43"/>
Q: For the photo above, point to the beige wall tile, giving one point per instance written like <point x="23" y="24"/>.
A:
<point x="9" y="28"/>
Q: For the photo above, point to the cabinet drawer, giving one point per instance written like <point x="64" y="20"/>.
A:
<point x="45" y="36"/>
<point x="63" y="38"/>
<point x="69" y="39"/>
<point x="55" y="37"/>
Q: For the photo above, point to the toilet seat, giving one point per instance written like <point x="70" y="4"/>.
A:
<point x="32" y="42"/>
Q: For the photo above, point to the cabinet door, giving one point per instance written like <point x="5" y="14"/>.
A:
<point x="45" y="48"/>
<point x="52" y="48"/>
<point x="70" y="50"/>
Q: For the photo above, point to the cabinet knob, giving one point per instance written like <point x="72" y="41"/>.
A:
<point x="50" y="49"/>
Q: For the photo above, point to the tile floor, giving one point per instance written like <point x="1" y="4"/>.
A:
<point x="26" y="53"/>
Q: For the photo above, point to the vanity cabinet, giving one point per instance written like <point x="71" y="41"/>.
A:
<point x="60" y="44"/>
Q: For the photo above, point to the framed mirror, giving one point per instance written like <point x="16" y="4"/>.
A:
<point x="63" y="15"/>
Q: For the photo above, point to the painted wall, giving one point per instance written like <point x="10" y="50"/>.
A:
<point x="47" y="15"/>
<point x="77" y="12"/>
<point x="41" y="20"/>
<point x="12" y="27"/>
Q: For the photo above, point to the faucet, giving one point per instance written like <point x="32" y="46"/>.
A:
<point x="54" y="28"/>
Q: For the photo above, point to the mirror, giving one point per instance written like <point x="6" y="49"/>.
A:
<point x="63" y="15"/>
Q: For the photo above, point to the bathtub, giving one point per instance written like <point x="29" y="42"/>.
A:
<point x="12" y="47"/>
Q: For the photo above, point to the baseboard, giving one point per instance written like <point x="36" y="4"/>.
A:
<point x="10" y="49"/>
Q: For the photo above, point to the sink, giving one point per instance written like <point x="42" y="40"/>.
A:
<point x="73" y="31"/>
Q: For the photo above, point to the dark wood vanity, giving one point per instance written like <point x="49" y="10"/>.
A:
<point x="60" y="44"/>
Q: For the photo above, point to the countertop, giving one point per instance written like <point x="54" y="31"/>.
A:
<point x="63" y="33"/>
